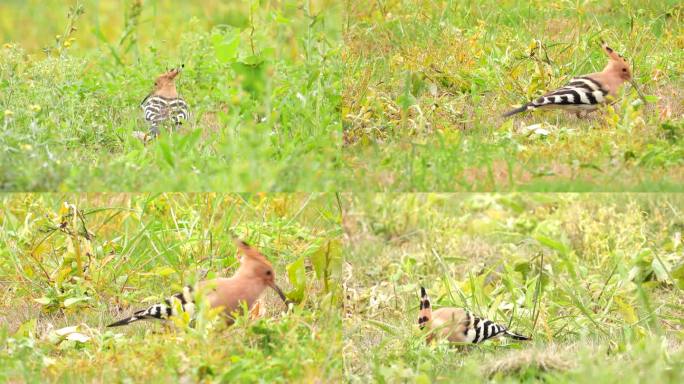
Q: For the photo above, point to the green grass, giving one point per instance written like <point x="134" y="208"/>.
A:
<point x="360" y="96"/>
<point x="318" y="96"/>
<point x="426" y="83"/>
<point x="144" y="247"/>
<point x="595" y="279"/>
<point x="263" y="80"/>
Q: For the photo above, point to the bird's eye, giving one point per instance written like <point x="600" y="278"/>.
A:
<point x="268" y="273"/>
<point x="624" y="69"/>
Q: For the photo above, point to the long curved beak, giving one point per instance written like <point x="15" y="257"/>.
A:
<point x="280" y="293"/>
<point x="641" y="95"/>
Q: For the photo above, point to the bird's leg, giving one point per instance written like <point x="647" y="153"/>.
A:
<point x="592" y="111"/>
<point x="142" y="136"/>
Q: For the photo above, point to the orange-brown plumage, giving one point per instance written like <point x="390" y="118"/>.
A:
<point x="251" y="279"/>
<point x="165" y="84"/>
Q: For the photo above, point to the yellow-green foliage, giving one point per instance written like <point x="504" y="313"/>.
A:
<point x="136" y="249"/>
<point x="426" y="83"/>
<point x="596" y="280"/>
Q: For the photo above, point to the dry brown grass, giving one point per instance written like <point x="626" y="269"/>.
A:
<point x="550" y="357"/>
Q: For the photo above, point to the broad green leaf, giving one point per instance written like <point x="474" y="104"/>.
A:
<point x="297" y="276"/>
<point x="327" y="261"/>
<point x="73" y="300"/>
<point x="253" y="72"/>
<point x="226" y="47"/>
<point x="318" y="260"/>
<point x="678" y="272"/>
<point x="26" y="329"/>
<point x="43" y="300"/>
<point x="164" y="271"/>
<point x="627" y="311"/>
<point x="660" y="270"/>
<point x="166" y="152"/>
<point x="252" y="60"/>
<point x="406" y="100"/>
<point x="279" y="18"/>
<point x="553" y="244"/>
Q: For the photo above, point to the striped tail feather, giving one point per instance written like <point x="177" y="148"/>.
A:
<point x="486" y="329"/>
<point x="514" y="111"/>
<point x="162" y="311"/>
<point x="425" y="309"/>
<point x="140" y="315"/>
<point x="515" y="336"/>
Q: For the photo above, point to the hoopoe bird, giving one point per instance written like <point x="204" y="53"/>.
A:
<point x="458" y="325"/>
<point x="585" y="93"/>
<point x="163" y="103"/>
<point x="248" y="283"/>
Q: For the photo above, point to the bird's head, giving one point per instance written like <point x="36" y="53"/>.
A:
<point x="256" y="266"/>
<point x="165" y="84"/>
<point x="617" y="64"/>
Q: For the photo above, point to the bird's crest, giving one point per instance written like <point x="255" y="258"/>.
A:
<point x="611" y="53"/>
<point x="171" y="73"/>
<point x="249" y="252"/>
<point x="617" y="65"/>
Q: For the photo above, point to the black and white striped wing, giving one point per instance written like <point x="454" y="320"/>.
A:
<point x="582" y="93"/>
<point x="162" y="311"/>
<point x="155" y="109"/>
<point x="178" y="110"/>
<point x="479" y="330"/>
<point x="158" y="109"/>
